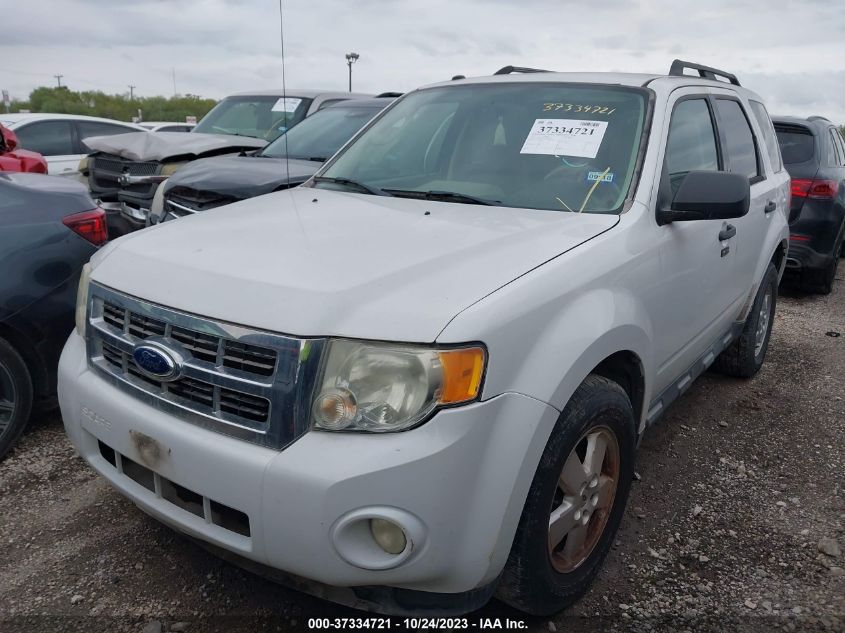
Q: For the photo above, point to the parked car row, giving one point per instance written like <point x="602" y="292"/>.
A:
<point x="489" y="288"/>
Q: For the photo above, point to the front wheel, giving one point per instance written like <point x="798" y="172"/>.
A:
<point x="575" y="503"/>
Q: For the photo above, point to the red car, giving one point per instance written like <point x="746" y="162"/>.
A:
<point x="14" y="159"/>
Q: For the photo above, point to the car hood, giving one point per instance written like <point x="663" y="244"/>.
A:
<point x="314" y="262"/>
<point x="170" y="145"/>
<point x="241" y="176"/>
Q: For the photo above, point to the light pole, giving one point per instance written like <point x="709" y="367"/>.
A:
<point x="351" y="58"/>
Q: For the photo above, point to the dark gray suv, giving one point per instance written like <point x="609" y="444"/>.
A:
<point x="814" y="154"/>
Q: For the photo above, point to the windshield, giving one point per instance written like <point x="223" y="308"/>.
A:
<point x="261" y="117"/>
<point x="554" y="146"/>
<point x="321" y="134"/>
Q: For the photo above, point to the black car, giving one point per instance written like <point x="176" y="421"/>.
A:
<point x="213" y="182"/>
<point x="49" y="228"/>
<point x="814" y="154"/>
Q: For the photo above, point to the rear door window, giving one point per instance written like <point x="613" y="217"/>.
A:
<point x="48" y="138"/>
<point x="797" y="144"/>
<point x="769" y="137"/>
<point x="737" y="139"/>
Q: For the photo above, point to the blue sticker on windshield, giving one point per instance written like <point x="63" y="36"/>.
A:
<point x="595" y="175"/>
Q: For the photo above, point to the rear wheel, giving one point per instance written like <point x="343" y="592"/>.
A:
<point x="744" y="357"/>
<point x="15" y="397"/>
<point x="575" y="503"/>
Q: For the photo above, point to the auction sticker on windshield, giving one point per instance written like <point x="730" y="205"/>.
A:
<point x="565" y="137"/>
<point x="286" y="104"/>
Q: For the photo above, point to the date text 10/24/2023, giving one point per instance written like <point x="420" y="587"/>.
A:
<point x="416" y="624"/>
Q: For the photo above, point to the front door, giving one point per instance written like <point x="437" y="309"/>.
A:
<point x="698" y="294"/>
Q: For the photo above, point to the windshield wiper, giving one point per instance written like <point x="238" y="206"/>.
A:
<point x="445" y="196"/>
<point x="348" y="182"/>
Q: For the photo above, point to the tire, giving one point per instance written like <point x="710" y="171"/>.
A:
<point x="744" y="357"/>
<point x="820" y="281"/>
<point x="15" y="397"/>
<point x="536" y="578"/>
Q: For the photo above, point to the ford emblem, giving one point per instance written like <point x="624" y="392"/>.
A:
<point x="156" y="362"/>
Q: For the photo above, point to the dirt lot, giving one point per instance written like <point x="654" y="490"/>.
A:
<point x="737" y="522"/>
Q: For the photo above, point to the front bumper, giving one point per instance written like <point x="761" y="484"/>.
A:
<point x="457" y="485"/>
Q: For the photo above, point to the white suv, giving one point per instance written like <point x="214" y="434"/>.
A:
<point x="421" y="378"/>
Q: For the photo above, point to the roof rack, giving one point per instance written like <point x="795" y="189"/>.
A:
<point x="507" y="70"/>
<point x="818" y="117"/>
<point x="389" y="94"/>
<point x="705" y="72"/>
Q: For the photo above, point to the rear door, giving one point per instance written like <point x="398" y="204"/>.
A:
<point x="55" y="141"/>
<point x="745" y="144"/>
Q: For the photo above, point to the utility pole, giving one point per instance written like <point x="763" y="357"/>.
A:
<point x="59" y="79"/>
<point x="174" y="81"/>
<point x="131" y="92"/>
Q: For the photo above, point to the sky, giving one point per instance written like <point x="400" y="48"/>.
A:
<point x="791" y="52"/>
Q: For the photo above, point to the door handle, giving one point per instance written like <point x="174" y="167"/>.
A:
<point x="727" y="232"/>
<point x="771" y="205"/>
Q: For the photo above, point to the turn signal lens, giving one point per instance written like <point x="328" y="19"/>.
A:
<point x="462" y="371"/>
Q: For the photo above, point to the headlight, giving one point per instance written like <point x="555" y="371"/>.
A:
<point x="83" y="166"/>
<point x="379" y="387"/>
<point x="171" y="168"/>
<point x="82" y="299"/>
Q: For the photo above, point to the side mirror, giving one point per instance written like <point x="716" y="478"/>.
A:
<point x="10" y="139"/>
<point x="708" y="195"/>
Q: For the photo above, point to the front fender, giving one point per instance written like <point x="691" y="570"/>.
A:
<point x="544" y="346"/>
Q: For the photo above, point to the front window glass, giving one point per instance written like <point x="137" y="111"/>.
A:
<point x="691" y="145"/>
<point x="797" y="144"/>
<point x="555" y="146"/>
<point x="321" y="134"/>
<point x="260" y="117"/>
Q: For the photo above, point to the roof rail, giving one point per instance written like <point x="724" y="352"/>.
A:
<point x="705" y="72"/>
<point x="507" y="70"/>
<point x="389" y="94"/>
<point x="818" y="117"/>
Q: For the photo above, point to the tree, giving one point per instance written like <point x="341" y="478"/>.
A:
<point x="63" y="100"/>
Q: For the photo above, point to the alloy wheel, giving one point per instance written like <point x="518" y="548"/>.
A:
<point x="583" y="499"/>
<point x="7" y="399"/>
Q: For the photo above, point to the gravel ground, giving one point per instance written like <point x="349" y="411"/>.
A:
<point x="736" y="523"/>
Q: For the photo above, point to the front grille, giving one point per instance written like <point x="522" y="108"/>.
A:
<point x="117" y="165"/>
<point x="234" y="380"/>
<point x="182" y="201"/>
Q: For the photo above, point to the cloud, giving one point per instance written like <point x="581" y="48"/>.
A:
<point x="216" y="47"/>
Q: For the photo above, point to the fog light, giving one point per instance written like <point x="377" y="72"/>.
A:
<point x="389" y="536"/>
